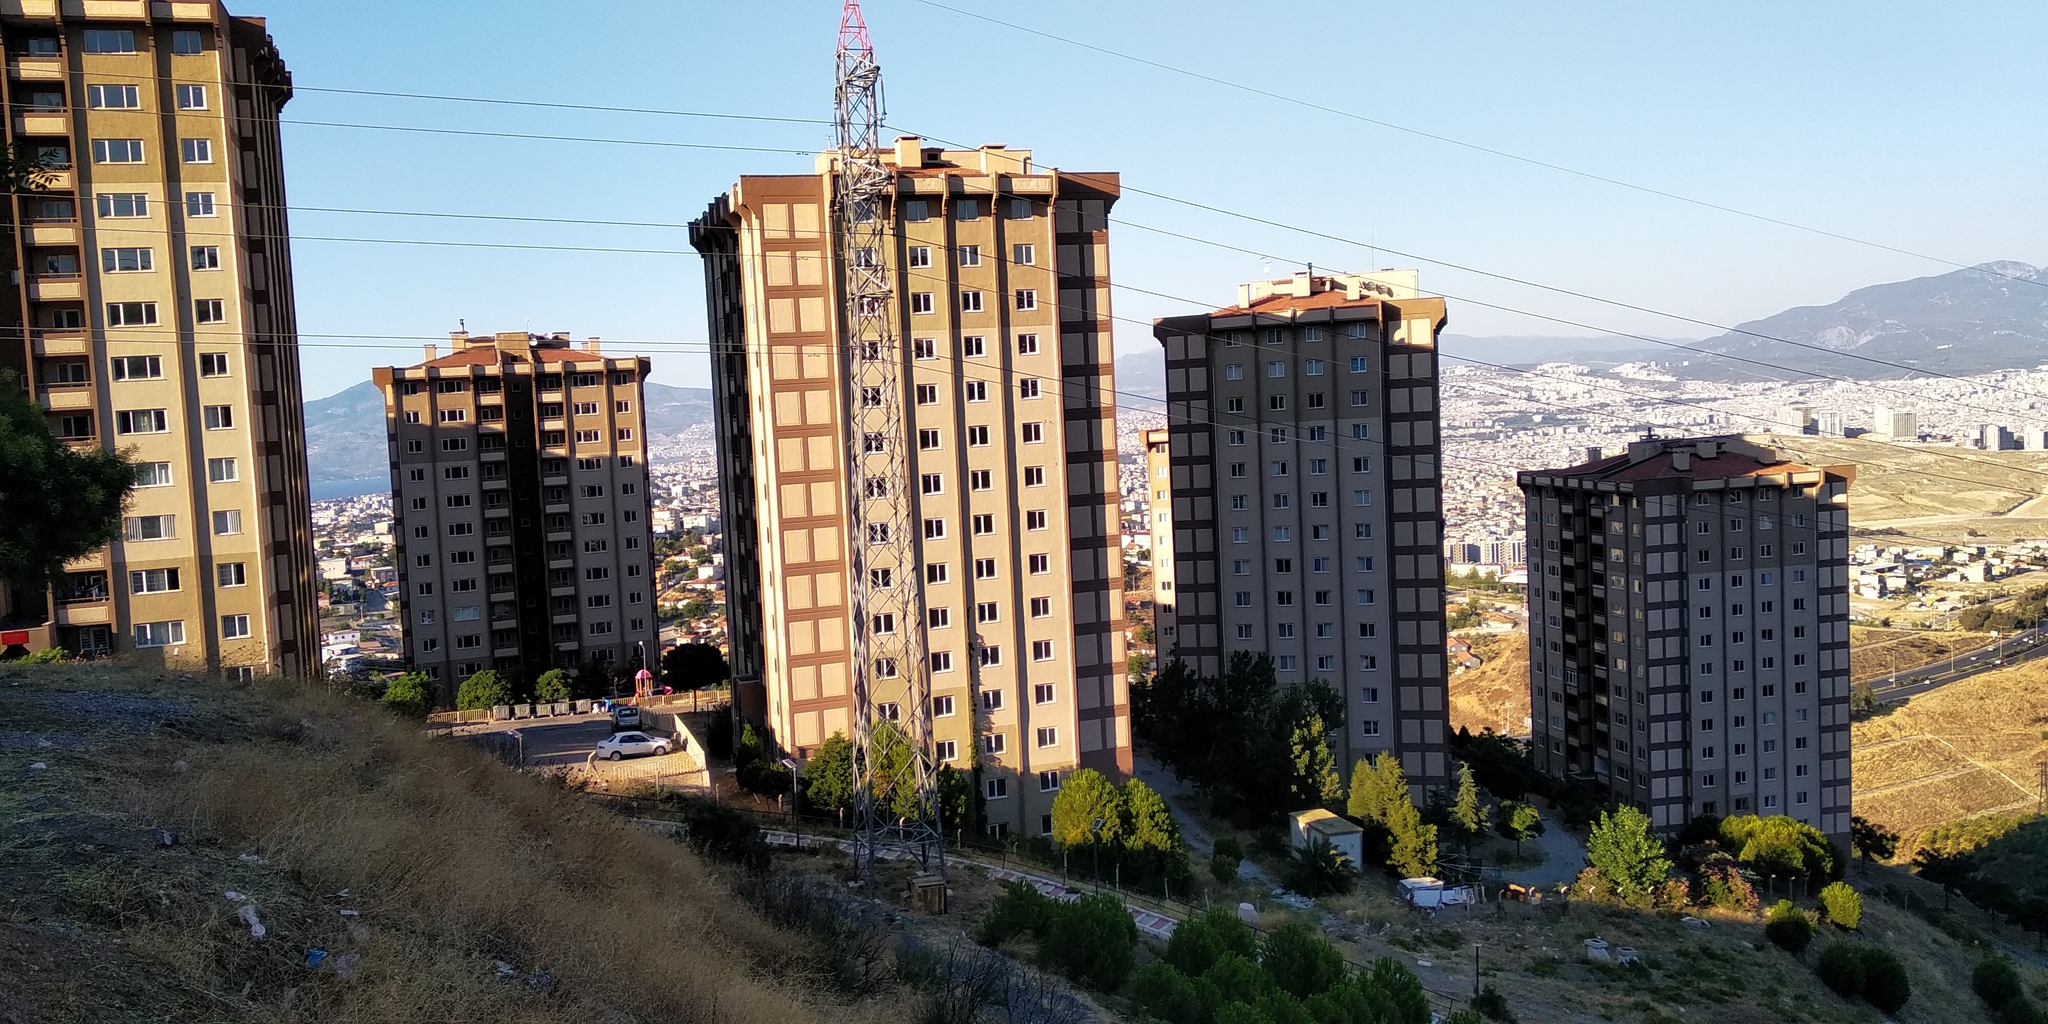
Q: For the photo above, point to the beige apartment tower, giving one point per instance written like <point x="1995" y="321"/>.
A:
<point x="519" y="507"/>
<point x="1302" y="459"/>
<point x="1001" y="307"/>
<point x="154" y="313"/>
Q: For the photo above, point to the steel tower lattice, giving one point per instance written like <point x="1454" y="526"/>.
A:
<point x="888" y="619"/>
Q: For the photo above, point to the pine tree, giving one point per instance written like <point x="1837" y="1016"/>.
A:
<point x="1086" y="797"/>
<point x="1315" y="769"/>
<point x="1374" y="785"/>
<point x="1415" y="850"/>
<point x="1467" y="813"/>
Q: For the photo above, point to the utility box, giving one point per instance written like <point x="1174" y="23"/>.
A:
<point x="928" y="894"/>
<point x="1304" y="827"/>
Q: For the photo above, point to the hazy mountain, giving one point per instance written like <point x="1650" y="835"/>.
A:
<point x="345" y="443"/>
<point x="1991" y="317"/>
<point x="1599" y="351"/>
<point x="1142" y="376"/>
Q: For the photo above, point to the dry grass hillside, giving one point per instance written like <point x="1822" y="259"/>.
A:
<point x="1880" y="653"/>
<point x="1904" y="482"/>
<point x="1496" y="694"/>
<point x="1971" y="747"/>
<point x="132" y="802"/>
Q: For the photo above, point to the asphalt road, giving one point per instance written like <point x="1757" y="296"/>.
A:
<point x="2019" y="647"/>
<point x="552" y="741"/>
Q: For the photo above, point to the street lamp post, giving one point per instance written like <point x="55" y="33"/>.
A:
<point x="1095" y="844"/>
<point x="790" y="763"/>
<point x="1475" y="970"/>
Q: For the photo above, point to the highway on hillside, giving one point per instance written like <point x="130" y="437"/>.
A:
<point x="2025" y="645"/>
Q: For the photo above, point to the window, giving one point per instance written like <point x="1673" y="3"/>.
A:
<point x="234" y="627"/>
<point x="1369" y="727"/>
<point x="455" y="444"/>
<point x="1041" y="650"/>
<point x="1023" y="255"/>
<point x="1048" y="737"/>
<point x="113" y="40"/>
<point x="970" y="301"/>
<point x="970" y="255"/>
<point x="977" y="391"/>
<point x="1034" y="476"/>
<point x="935" y="572"/>
<point x="942" y="707"/>
<point x="230" y="574"/>
<point x="1027" y="299"/>
<point x="1042" y="693"/>
<point x="1034" y="433"/>
<point x="122" y="204"/>
<point x="185" y="43"/>
<point x="1233" y="371"/>
<point x="196" y="151"/>
<point x="117" y="151"/>
<point x="153" y="474"/>
<point x="1041" y="564"/>
<point x="136" y="528"/>
<point x="996" y="789"/>
<point x="191" y="97"/>
<point x="1028" y="387"/>
<point x="213" y="364"/>
<point x="947" y="750"/>
<point x="159" y="634"/>
<point x="221" y="471"/>
<point x="227" y="522"/>
<point x="125" y="260"/>
<point x="199" y="204"/>
<point x="136" y="367"/>
<point x="980" y="480"/>
<point x="920" y="302"/>
<point x="140" y="421"/>
<point x="152" y="581"/>
<point x="130" y="314"/>
<point x="984" y="568"/>
<point x="942" y="661"/>
<point x="1041" y="607"/>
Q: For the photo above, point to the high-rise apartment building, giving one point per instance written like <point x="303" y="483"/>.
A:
<point x="1001" y="310"/>
<point x="153" y="312"/>
<point x="1895" y="424"/>
<point x="519" y="499"/>
<point x="1689" y="630"/>
<point x="1306" y="500"/>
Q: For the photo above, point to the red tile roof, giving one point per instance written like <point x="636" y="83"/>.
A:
<point x="1279" y="304"/>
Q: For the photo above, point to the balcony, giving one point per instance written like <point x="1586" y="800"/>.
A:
<point x="563" y="618"/>
<point x="89" y="561"/>
<point x="502" y="595"/>
<point x="558" y="507"/>
<point x="554" y="481"/>
<point x="505" y="652"/>
<point x="42" y="121"/>
<point x="56" y="287"/>
<point x="490" y="456"/>
<point x="37" y="69"/>
<point x="567" y="591"/>
<point x="85" y="614"/>
<point x="562" y="563"/>
<point x="500" y="482"/>
<point x="53" y="230"/>
<point x="562" y="535"/>
<point x="67" y="399"/>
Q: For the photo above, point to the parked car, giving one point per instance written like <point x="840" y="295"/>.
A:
<point x="620" y="745"/>
<point x="625" y="716"/>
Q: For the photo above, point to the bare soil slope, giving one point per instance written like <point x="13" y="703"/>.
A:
<point x="1972" y="747"/>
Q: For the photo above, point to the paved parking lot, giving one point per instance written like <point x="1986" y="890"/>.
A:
<point x="566" y="743"/>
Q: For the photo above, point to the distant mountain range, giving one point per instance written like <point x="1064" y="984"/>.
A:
<point x="345" y="443"/>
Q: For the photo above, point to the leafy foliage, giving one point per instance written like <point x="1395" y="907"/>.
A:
<point x="1091" y="940"/>
<point x="1215" y="975"/>
<point x="1780" y="845"/>
<point x="410" y="695"/>
<point x="1997" y="982"/>
<point x="1841" y="968"/>
<point x="553" y="685"/>
<point x="1872" y="841"/>
<point x="828" y="774"/>
<point x="1088" y="809"/>
<point x="1020" y="910"/>
<point x="1519" y="822"/>
<point x="1493" y="1006"/>
<point x="60" y="503"/>
<point x="1234" y="735"/>
<point x="1300" y="961"/>
<point x="1414" y="849"/>
<point x="694" y="666"/>
<point x="1136" y="827"/>
<point x="1842" y="905"/>
<point x="1205" y="938"/>
<point x="1723" y="887"/>
<point x="1788" y="928"/>
<point x="1224" y="858"/>
<point x="485" y="689"/>
<point x="1468" y="814"/>
<point x="1394" y="828"/>
<point x="1319" y="870"/>
<point x="1627" y="854"/>
<point x="1996" y="861"/>
<point x="1885" y="984"/>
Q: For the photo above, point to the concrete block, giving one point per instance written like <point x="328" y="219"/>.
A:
<point x="522" y="711"/>
<point x="501" y="713"/>
<point x="560" y="707"/>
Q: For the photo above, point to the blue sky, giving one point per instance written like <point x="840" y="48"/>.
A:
<point x="1917" y="127"/>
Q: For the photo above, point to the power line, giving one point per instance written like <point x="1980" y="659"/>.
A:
<point x="1473" y="146"/>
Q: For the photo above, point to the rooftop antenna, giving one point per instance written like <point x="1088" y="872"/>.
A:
<point x="889" y="664"/>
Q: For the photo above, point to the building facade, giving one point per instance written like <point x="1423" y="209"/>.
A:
<point x="1001" y="310"/>
<point x="1306" y="515"/>
<point x="154" y="313"/>
<point x="519" y="498"/>
<point x="1689" y="630"/>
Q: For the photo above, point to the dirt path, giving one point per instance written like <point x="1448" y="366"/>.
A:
<point x="1563" y="857"/>
<point x="1183" y="796"/>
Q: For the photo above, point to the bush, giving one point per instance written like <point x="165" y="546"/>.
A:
<point x="1091" y="940"/>
<point x="1723" y="887"/>
<point x="552" y="686"/>
<point x="1020" y="910"/>
<point x="1319" y="870"/>
<point x="1841" y="968"/>
<point x="1493" y="1005"/>
<point x="1627" y="853"/>
<point x="47" y="656"/>
<point x="485" y="689"/>
<point x="1207" y="937"/>
<point x="1997" y="982"/>
<point x="1885" y="985"/>
<point x="1166" y="993"/>
<point x="409" y="695"/>
<point x="1778" y="845"/>
<point x="1224" y="860"/>
<point x="1674" y="894"/>
<point x="1789" y="928"/>
<point x="1301" y="961"/>
<point x="1842" y="905"/>
<point x="722" y="833"/>
<point x="2022" y="1011"/>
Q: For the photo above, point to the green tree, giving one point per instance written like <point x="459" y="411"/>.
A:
<point x="1394" y="992"/>
<point x="1201" y="940"/>
<point x="1872" y="841"/>
<point x="828" y="773"/>
<point x="1317" y="869"/>
<point x="410" y="695"/>
<point x="1842" y="905"/>
<point x="1997" y="981"/>
<point x="1788" y="927"/>
<point x="1780" y="846"/>
<point x="1091" y="940"/>
<point x="1520" y="822"/>
<point x="1468" y="814"/>
<point x="1885" y="984"/>
<point x="1301" y="962"/>
<point x="485" y="689"/>
<point x="1165" y="993"/>
<point x="552" y="686"/>
<point x="1085" y="798"/>
<point x="1224" y="857"/>
<point x="1414" y="851"/>
<point x="959" y="801"/>
<point x="1145" y="634"/>
<point x="1841" y="968"/>
<point x="60" y="503"/>
<point x="1151" y="836"/>
<point x="1315" y="781"/>
<point x="694" y="666"/>
<point x="1627" y="854"/>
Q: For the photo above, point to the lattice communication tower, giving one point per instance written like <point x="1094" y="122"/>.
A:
<point x="888" y="617"/>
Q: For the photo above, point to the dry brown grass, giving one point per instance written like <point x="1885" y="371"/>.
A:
<point x="1971" y="747"/>
<point x="1880" y="653"/>
<point x="453" y="862"/>
<point x="1494" y="695"/>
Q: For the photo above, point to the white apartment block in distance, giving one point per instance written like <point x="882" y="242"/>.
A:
<point x="519" y="496"/>
<point x="1302" y="459"/>
<point x="1689" y="630"/>
<point x="1000" y="308"/>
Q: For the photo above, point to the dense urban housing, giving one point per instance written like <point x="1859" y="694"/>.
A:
<point x="1689" y="630"/>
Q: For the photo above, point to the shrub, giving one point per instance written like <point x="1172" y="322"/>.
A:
<point x="1885" y="985"/>
<point x="1020" y="910"/>
<point x="1237" y="979"/>
<point x="1628" y="854"/>
<point x="1842" y="905"/>
<point x="722" y="833"/>
<point x="1301" y="961"/>
<point x="1207" y="937"/>
<point x="1997" y="982"/>
<point x="1674" y="894"/>
<point x="1091" y="940"/>
<point x="47" y="656"/>
<point x="1723" y="886"/>
<point x="2022" y="1011"/>
<point x="485" y="689"/>
<point x="1841" y="969"/>
<point x="1789" y="928"/>
<point x="552" y="686"/>
<point x="1778" y="845"/>
<point x="1318" y="869"/>
<point x="409" y="695"/>
<point x="1222" y="868"/>
<point x="1494" y="1006"/>
<point x="1166" y="993"/>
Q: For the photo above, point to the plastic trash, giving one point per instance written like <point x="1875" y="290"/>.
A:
<point x="350" y="913"/>
<point x="38" y="767"/>
<point x="314" y="958"/>
<point x="233" y="896"/>
<point x="250" y="858"/>
<point x="1248" y="914"/>
<point x="345" y="965"/>
<point x="248" y="916"/>
<point x="542" y="982"/>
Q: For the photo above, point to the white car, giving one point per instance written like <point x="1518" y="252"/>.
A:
<point x="632" y="744"/>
